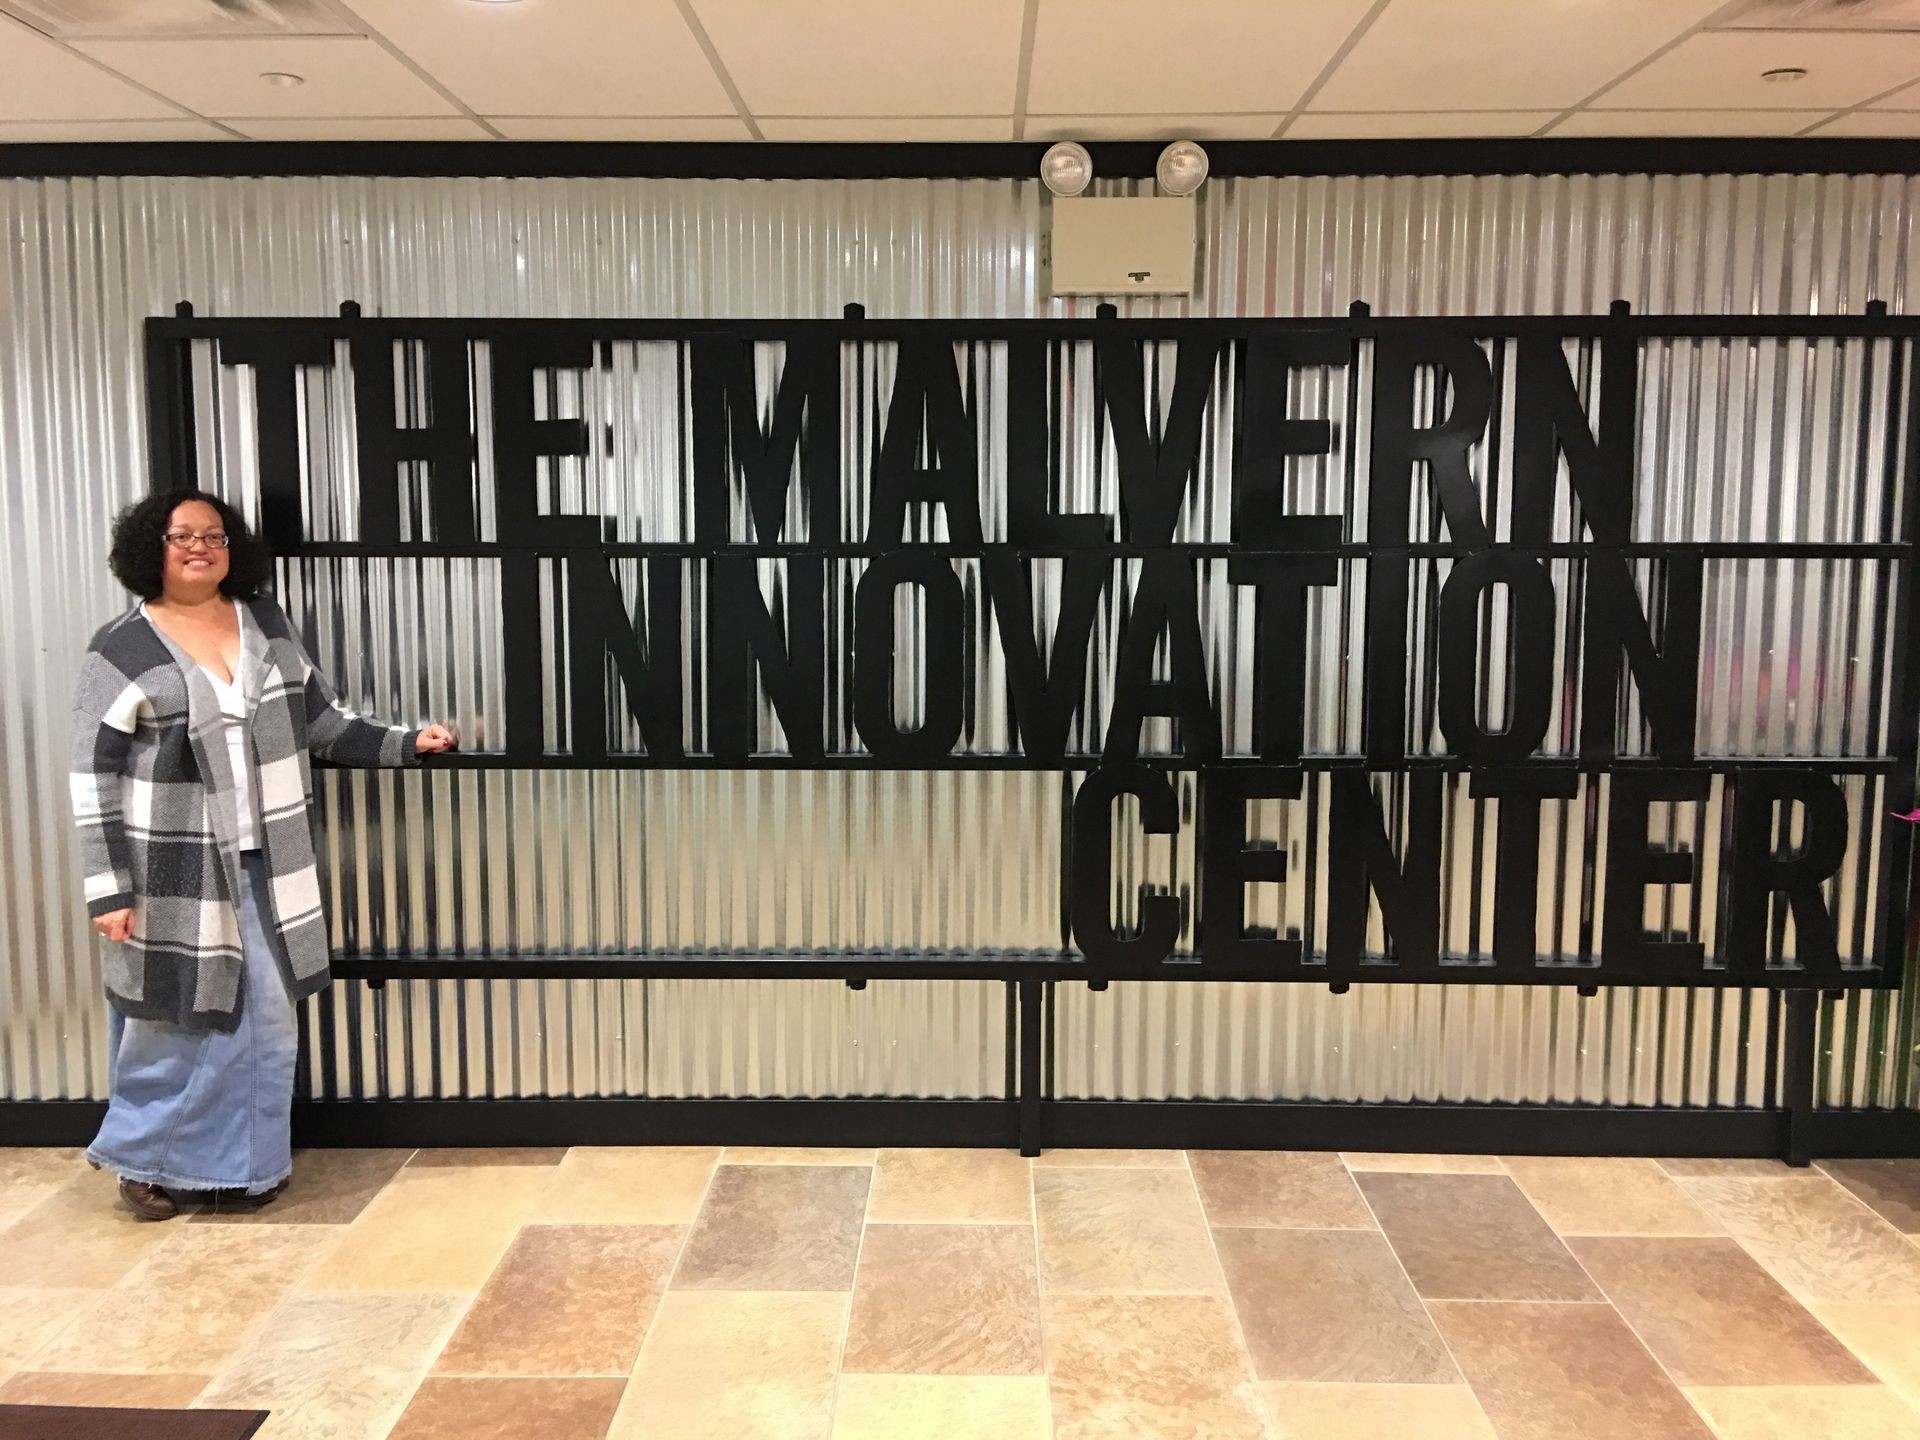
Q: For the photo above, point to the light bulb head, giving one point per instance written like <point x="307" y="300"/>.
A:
<point x="1066" y="169"/>
<point x="1181" y="168"/>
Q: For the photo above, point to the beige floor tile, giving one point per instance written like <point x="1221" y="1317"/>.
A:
<point x="329" y="1187"/>
<point x="1148" y="1365"/>
<point x="498" y="1408"/>
<point x="1298" y="1189"/>
<point x="794" y="1155"/>
<point x="29" y="1175"/>
<point x="1411" y="1164"/>
<point x="1473" y="1237"/>
<point x="735" y="1365"/>
<point x="1887" y="1337"/>
<point x="777" y="1227"/>
<point x="1804" y="1412"/>
<point x="1556" y="1371"/>
<point x="1304" y="1410"/>
<point x="212" y="1283"/>
<point x="1891" y="1188"/>
<point x="31" y="1318"/>
<point x="1708" y="1168"/>
<point x="941" y="1407"/>
<point x="628" y="1185"/>
<point x="488" y="1155"/>
<point x="433" y="1229"/>
<point x="336" y="1367"/>
<point x="1819" y="1242"/>
<point x="945" y="1300"/>
<point x="954" y="1187"/>
<point x="58" y="1387"/>
<point x="1122" y="1159"/>
<point x="80" y="1236"/>
<point x="1712" y="1316"/>
<point x="1608" y="1197"/>
<point x="1123" y="1231"/>
<point x="1330" y="1305"/>
<point x="565" y="1300"/>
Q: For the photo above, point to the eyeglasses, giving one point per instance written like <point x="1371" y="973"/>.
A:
<point x="185" y="539"/>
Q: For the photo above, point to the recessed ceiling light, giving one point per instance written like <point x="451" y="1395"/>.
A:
<point x="1785" y="75"/>
<point x="285" y="80"/>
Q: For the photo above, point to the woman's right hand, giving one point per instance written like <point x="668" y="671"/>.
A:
<point x="116" y="925"/>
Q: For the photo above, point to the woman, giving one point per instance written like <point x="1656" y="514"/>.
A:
<point x="194" y="718"/>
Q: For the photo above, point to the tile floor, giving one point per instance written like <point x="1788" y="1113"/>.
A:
<point x="580" y="1294"/>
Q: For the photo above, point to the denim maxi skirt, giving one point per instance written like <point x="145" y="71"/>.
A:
<point x="195" y="1109"/>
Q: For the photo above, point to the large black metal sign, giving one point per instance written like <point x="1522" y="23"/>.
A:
<point x="859" y="511"/>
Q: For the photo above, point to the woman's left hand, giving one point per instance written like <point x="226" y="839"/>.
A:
<point x="434" y="739"/>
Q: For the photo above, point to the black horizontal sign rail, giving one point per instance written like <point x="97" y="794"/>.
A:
<point x="1082" y="762"/>
<point x="1195" y="550"/>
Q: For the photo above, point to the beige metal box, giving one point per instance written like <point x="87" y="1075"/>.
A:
<point x="1105" y="245"/>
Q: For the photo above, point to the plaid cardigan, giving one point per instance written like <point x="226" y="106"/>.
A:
<point x="153" y="797"/>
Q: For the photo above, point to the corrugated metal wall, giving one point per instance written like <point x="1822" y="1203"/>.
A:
<point x="493" y="862"/>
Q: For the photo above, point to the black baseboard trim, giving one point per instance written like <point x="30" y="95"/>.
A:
<point x="1091" y="1124"/>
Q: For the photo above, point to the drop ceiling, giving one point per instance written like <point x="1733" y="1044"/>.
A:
<point x="953" y="70"/>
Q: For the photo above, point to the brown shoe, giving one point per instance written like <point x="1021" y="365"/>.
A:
<point x="149" y="1202"/>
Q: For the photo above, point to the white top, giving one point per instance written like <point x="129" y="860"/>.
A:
<point x="232" y="696"/>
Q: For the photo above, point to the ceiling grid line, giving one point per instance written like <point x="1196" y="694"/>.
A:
<point x="1334" y="62"/>
<point x="349" y="16"/>
<point x="1023" y="74"/>
<point x="1700" y="26"/>
<point x="720" y="73"/>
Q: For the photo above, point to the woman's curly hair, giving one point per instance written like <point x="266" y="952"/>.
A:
<point x="138" y="558"/>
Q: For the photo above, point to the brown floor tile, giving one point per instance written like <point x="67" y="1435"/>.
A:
<point x="1708" y="1168"/>
<point x="1306" y="1411"/>
<point x="1818" y="1241"/>
<point x="956" y="1187"/>
<point x="336" y="1366"/>
<point x="433" y="1229"/>
<point x="329" y="1187"/>
<point x="79" y="1237"/>
<point x="1608" y="1197"/>
<point x="61" y="1387"/>
<point x="1712" y="1316"/>
<point x="1551" y="1372"/>
<point x="1473" y="1237"/>
<point x="1122" y="1231"/>
<point x="1121" y="1159"/>
<point x="1423" y="1164"/>
<point x="1299" y="1189"/>
<point x="29" y="1318"/>
<point x="565" y="1300"/>
<point x="1890" y="1187"/>
<point x="1329" y="1305"/>
<point x="794" y="1155"/>
<point x="735" y="1365"/>
<point x="777" y="1227"/>
<point x="946" y="1300"/>
<point x="941" y="1407"/>
<point x="29" y="1175"/>
<point x="1160" y="1365"/>
<point x="446" y="1408"/>
<point x="1887" y="1337"/>
<point x="1798" y="1412"/>
<point x="489" y="1155"/>
<point x="212" y="1284"/>
<point x="628" y="1185"/>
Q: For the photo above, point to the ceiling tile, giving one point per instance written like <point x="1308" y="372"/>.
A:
<point x="556" y="57"/>
<point x="1152" y="127"/>
<point x="1871" y="124"/>
<point x="1722" y="69"/>
<point x="886" y="128"/>
<point x="344" y="76"/>
<point x="451" y="127"/>
<point x="105" y="132"/>
<point x="1500" y="54"/>
<point x="41" y="81"/>
<point x="1686" y="122"/>
<point x="1907" y="98"/>
<point x="1122" y="57"/>
<point x="1416" y="125"/>
<point x="868" y="57"/>
<point x="620" y="128"/>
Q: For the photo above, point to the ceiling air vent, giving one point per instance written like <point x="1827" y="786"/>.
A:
<point x="1825" y="15"/>
<point x="173" y="19"/>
